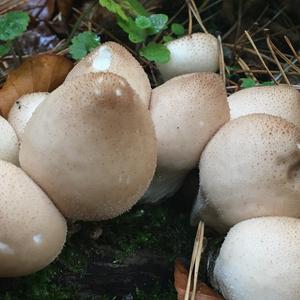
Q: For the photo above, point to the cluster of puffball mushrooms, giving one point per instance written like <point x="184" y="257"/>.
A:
<point x="103" y="140"/>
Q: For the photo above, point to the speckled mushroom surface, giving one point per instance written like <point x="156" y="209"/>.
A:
<point x="22" y="110"/>
<point x="198" y="52"/>
<point x="250" y="168"/>
<point x="91" y="146"/>
<point x="32" y="230"/>
<point x="260" y="259"/>
<point x="186" y="110"/>
<point x="278" y="100"/>
<point x="114" y="58"/>
<point x="9" y="146"/>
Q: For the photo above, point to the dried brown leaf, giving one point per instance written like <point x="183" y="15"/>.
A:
<point x="41" y="73"/>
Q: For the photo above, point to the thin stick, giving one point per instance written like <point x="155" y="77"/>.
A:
<point x="188" y="286"/>
<point x="190" y="28"/>
<point x="261" y="72"/>
<point x="12" y="6"/>
<point x="221" y="59"/>
<point x="197" y="263"/>
<point x="246" y="68"/>
<point x="254" y="23"/>
<point x="269" y="21"/>
<point x="292" y="48"/>
<point x="276" y="59"/>
<point x="251" y="51"/>
<point x="259" y="55"/>
<point x="291" y="64"/>
<point x="203" y="9"/>
<point x="196" y="14"/>
<point x="197" y="244"/>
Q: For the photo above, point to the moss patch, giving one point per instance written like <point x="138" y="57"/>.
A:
<point x="161" y="230"/>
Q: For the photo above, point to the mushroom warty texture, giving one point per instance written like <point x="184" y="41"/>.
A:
<point x="114" y="58"/>
<point x="32" y="230"/>
<point x="250" y="168"/>
<point x="260" y="259"/>
<point x="198" y="52"/>
<point x="187" y="111"/>
<point x="100" y="145"/>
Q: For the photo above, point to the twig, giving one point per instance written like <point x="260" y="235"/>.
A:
<point x="276" y="59"/>
<point x="269" y="21"/>
<point x="210" y="6"/>
<point x="195" y="261"/>
<point x="239" y="47"/>
<point x="259" y="55"/>
<point x="12" y="6"/>
<point x="221" y="59"/>
<point x="196" y="14"/>
<point x="290" y="63"/>
<point x="292" y="48"/>
<point x="254" y="24"/>
<point x="190" y="28"/>
<point x="246" y="68"/>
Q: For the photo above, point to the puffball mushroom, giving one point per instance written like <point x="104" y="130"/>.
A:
<point x="278" y="100"/>
<point x="91" y="146"/>
<point x="114" y="58"/>
<point x="32" y="230"/>
<point x="22" y="110"/>
<point x="9" y="147"/>
<point x="198" y="52"/>
<point x="260" y="259"/>
<point x="186" y="111"/>
<point x="250" y="168"/>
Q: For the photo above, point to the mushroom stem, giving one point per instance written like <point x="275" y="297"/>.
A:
<point x="165" y="184"/>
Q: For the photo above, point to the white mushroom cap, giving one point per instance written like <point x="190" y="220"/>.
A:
<point x="280" y="100"/>
<point x="22" y="110"/>
<point x="91" y="146"/>
<point x="250" y="168"/>
<point x="198" y="52"/>
<point x="260" y="259"/>
<point x="32" y="230"/>
<point x="9" y="147"/>
<point x="186" y="111"/>
<point x="114" y="58"/>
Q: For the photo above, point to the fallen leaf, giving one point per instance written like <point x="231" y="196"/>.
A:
<point x="41" y="73"/>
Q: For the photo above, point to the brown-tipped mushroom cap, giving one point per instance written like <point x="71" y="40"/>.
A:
<point x="32" y="230"/>
<point x="114" y="58"/>
<point x="250" y="168"/>
<point x="186" y="111"/>
<point x="259" y="260"/>
<point x="91" y="146"/>
<point x="281" y="100"/>
<point x="22" y="111"/>
<point x="9" y="148"/>
<point x="198" y="52"/>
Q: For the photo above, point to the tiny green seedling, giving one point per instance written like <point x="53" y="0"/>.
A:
<point x="249" y="82"/>
<point x="141" y="27"/>
<point x="82" y="44"/>
<point x="12" y="25"/>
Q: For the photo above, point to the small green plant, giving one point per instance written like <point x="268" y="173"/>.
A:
<point x="12" y="25"/>
<point x="83" y="43"/>
<point x="249" y="82"/>
<point x="144" y="28"/>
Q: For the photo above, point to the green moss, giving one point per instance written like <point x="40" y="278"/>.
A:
<point x="161" y="229"/>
